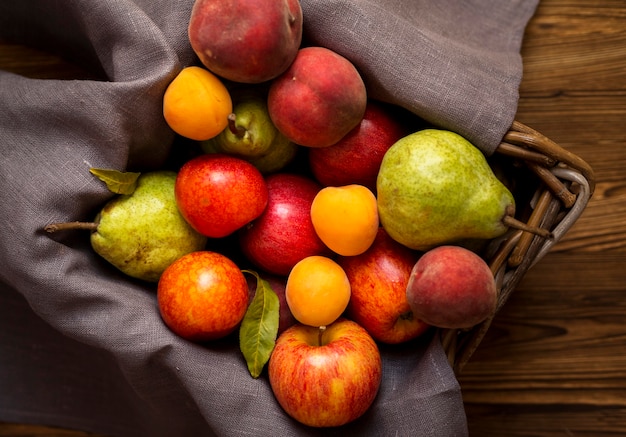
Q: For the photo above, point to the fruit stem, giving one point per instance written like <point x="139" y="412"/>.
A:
<point x="54" y="227"/>
<point x="232" y="126"/>
<point x="512" y="222"/>
<point x="320" y="334"/>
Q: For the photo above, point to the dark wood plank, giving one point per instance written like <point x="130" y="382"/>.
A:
<point x="554" y="361"/>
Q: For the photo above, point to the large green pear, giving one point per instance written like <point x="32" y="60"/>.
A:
<point x="435" y="187"/>
<point x="143" y="233"/>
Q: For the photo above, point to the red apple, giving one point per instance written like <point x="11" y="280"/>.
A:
<point x="325" y="379"/>
<point x="202" y="296"/>
<point x="278" y="284"/>
<point x="319" y="99"/>
<point x="378" y="278"/>
<point x="218" y="194"/>
<point x="356" y="158"/>
<point x="452" y="287"/>
<point x="283" y="234"/>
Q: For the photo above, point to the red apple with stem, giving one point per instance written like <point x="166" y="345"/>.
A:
<point x="452" y="287"/>
<point x="202" y="296"/>
<point x="325" y="377"/>
<point x="378" y="278"/>
<point x="218" y="194"/>
<point x="283" y="234"/>
<point x="356" y="158"/>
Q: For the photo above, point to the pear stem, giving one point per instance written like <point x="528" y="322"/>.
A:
<point x="319" y="335"/>
<point x="236" y="130"/>
<point x="54" y="227"/>
<point x="512" y="222"/>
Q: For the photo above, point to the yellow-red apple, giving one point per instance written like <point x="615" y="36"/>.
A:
<point x="378" y="278"/>
<point x="325" y="378"/>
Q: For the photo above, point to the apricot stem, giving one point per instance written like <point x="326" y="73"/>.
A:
<point x="54" y="227"/>
<point x="512" y="222"/>
<point x="319" y="335"/>
<point x="232" y="126"/>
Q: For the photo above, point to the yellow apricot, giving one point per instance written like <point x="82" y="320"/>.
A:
<point x="196" y="104"/>
<point x="317" y="291"/>
<point x="346" y="218"/>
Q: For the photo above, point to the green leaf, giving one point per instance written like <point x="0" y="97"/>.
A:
<point x="259" y="327"/>
<point x="118" y="182"/>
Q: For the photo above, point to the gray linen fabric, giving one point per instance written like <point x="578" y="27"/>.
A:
<point x="83" y="346"/>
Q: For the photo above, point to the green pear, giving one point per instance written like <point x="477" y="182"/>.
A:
<point x="435" y="187"/>
<point x="250" y="131"/>
<point x="282" y="152"/>
<point x="251" y="135"/>
<point x="143" y="233"/>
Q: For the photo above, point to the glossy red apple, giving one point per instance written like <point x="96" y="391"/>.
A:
<point x="278" y="285"/>
<point x="452" y="287"/>
<point x="283" y="234"/>
<point x="325" y="380"/>
<point x="356" y="158"/>
<point x="378" y="278"/>
<point x="202" y="296"/>
<point x="218" y="194"/>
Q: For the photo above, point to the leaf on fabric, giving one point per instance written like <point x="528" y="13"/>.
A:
<point x="259" y="327"/>
<point x="118" y="182"/>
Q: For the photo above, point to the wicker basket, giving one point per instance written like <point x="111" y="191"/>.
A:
<point x="552" y="188"/>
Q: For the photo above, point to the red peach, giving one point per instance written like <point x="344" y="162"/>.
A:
<point x="319" y="99"/>
<point x="452" y="287"/>
<point x="250" y="41"/>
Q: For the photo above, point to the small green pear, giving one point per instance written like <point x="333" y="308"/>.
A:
<point x="435" y="187"/>
<point x="250" y="131"/>
<point x="282" y="152"/>
<point x="251" y="135"/>
<point x="143" y="233"/>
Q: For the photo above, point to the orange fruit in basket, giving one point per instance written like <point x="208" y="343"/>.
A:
<point x="346" y="218"/>
<point x="196" y="104"/>
<point x="317" y="291"/>
<point x="202" y="296"/>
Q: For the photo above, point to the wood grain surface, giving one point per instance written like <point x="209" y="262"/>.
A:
<point x="554" y="360"/>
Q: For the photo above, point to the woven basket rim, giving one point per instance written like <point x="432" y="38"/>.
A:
<point x="556" y="206"/>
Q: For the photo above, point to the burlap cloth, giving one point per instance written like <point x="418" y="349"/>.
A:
<point x="82" y="346"/>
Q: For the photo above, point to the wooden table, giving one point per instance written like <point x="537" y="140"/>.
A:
<point x="554" y="361"/>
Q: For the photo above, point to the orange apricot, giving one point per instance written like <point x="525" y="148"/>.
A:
<point x="196" y="104"/>
<point x="346" y="218"/>
<point x="317" y="291"/>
